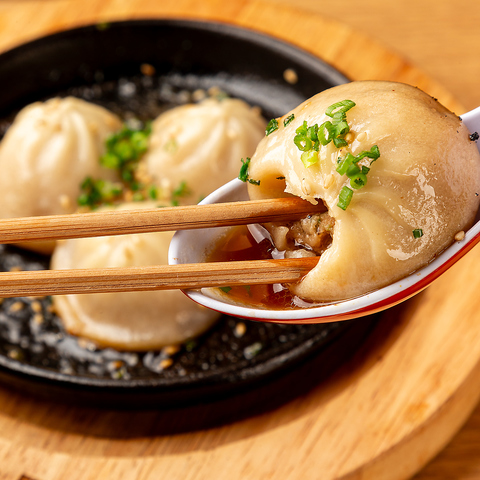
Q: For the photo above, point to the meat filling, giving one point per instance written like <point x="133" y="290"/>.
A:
<point x="310" y="236"/>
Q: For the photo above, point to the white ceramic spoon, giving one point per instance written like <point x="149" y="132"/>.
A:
<point x="189" y="246"/>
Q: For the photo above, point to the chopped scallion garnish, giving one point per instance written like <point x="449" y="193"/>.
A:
<point x="417" y="233"/>
<point x="309" y="158"/>
<point x="308" y="139"/>
<point x="181" y="191"/>
<point x="345" y="163"/>
<point x="243" y="175"/>
<point x="339" y="109"/>
<point x="345" y="198"/>
<point x="153" y="192"/>
<point x="96" y="192"/>
<point x="288" y="120"/>
<point x="271" y="126"/>
<point x="326" y="132"/>
<point x="358" y="180"/>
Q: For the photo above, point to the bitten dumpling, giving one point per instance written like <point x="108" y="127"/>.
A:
<point x="201" y="145"/>
<point x="133" y="320"/>
<point x="420" y="192"/>
<point x="48" y="151"/>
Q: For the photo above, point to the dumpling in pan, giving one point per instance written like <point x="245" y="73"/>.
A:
<point x="202" y="144"/>
<point x="133" y="320"/>
<point x="48" y="151"/>
<point x="422" y="189"/>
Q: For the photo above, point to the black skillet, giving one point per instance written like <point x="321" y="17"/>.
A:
<point x="104" y="64"/>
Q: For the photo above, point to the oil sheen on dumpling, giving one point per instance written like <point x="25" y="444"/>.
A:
<point x="133" y="320"/>
<point x="427" y="177"/>
<point x="48" y="151"/>
<point x="201" y="145"/>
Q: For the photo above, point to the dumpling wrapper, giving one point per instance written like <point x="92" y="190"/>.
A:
<point x="427" y="177"/>
<point x="202" y="144"/>
<point x="133" y="320"/>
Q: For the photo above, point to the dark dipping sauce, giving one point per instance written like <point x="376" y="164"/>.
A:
<point x="239" y="244"/>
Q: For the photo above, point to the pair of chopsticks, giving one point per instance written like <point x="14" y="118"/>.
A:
<point x="160" y="277"/>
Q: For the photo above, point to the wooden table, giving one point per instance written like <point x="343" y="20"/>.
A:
<point x="438" y="37"/>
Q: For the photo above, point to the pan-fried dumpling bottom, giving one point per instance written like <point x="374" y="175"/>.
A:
<point x="48" y="151"/>
<point x="201" y="145"/>
<point x="133" y="320"/>
<point x="427" y="177"/>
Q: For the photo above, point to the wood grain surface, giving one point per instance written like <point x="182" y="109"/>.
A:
<point x="405" y="393"/>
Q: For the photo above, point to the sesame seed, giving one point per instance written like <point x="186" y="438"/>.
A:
<point x="16" y="307"/>
<point x="36" y="306"/>
<point x="198" y="95"/>
<point x="240" y="329"/>
<point x="171" y="350"/>
<point x="147" y="69"/>
<point x="290" y="76"/>
<point x="165" y="363"/>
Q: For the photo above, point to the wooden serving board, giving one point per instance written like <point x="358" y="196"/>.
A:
<point x="382" y="416"/>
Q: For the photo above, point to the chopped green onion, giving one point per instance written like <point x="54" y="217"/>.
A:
<point x="139" y="140"/>
<point x="124" y="149"/>
<point x="339" y="108"/>
<point x="95" y="192"/>
<point x="339" y="142"/>
<point x="302" y="129"/>
<point x="417" y="233"/>
<point x="358" y="181"/>
<point x="309" y="158"/>
<point x="271" y="126"/>
<point x="352" y="170"/>
<point x="138" y="197"/>
<point x="373" y="154"/>
<point x="327" y="127"/>
<point x="345" y="198"/>
<point x="345" y="163"/>
<point x="309" y="138"/>
<point x="302" y="142"/>
<point x="153" y="192"/>
<point x="110" y="160"/>
<point x="243" y="175"/>
<point x="288" y="120"/>
<point x="341" y="128"/>
<point x="181" y="191"/>
<point x="225" y="289"/>
<point x="312" y="134"/>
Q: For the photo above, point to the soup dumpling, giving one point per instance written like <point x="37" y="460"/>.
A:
<point x="48" y="151"/>
<point x="201" y="145"/>
<point x="132" y="320"/>
<point x="421" y="191"/>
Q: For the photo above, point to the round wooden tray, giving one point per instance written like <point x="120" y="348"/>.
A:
<point x="382" y="416"/>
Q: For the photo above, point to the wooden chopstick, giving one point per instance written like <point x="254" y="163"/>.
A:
<point x="161" y="277"/>
<point x="119" y="222"/>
